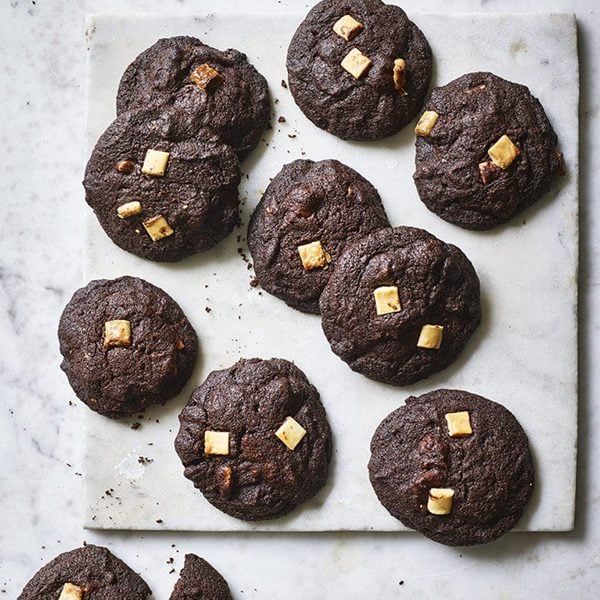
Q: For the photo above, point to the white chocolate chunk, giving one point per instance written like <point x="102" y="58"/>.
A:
<point x="431" y="337"/>
<point x="440" y="500"/>
<point x="400" y="76"/>
<point x="291" y="432"/>
<point x="459" y="424"/>
<point x="347" y="27"/>
<point x="387" y="299"/>
<point x="71" y="591"/>
<point x="426" y="122"/>
<point x="157" y="228"/>
<point x="129" y="209"/>
<point x="503" y="152"/>
<point x="356" y="63"/>
<point x="117" y="333"/>
<point x="313" y="256"/>
<point x="216" y="442"/>
<point x="155" y="163"/>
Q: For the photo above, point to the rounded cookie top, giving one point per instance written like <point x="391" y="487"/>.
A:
<point x="400" y="305"/>
<point x="221" y="88"/>
<point x="255" y="440"/>
<point x="489" y="153"/>
<point x="126" y="344"/>
<point x="301" y="225"/>
<point x="359" y="69"/>
<point x="97" y="573"/>
<point x="454" y="466"/>
<point x="160" y="187"/>
<point x="199" y="580"/>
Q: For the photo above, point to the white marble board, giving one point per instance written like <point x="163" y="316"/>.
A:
<point x="524" y="355"/>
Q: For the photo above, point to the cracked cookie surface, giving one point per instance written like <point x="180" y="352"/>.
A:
<point x="99" y="573"/>
<point x="436" y="286"/>
<point x="490" y="471"/>
<point x="456" y="177"/>
<point x="371" y="106"/>
<point x="237" y="107"/>
<point x="154" y="365"/>
<point x="257" y="476"/>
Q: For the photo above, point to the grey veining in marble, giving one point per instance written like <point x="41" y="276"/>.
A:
<point x="527" y="270"/>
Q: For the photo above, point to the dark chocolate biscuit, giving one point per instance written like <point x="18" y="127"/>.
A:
<point x="302" y="223"/>
<point x="454" y="466"/>
<point x="162" y="188"/>
<point x="359" y="69"/>
<point x="199" y="580"/>
<point x="255" y="440"/>
<point x="126" y="344"/>
<point x="91" y="573"/>
<point x="222" y="88"/>
<point x="400" y="305"/>
<point x="489" y="153"/>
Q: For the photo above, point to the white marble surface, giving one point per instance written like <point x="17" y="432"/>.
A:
<point x="507" y="360"/>
<point x="42" y="75"/>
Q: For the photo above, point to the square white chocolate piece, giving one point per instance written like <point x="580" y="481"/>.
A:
<point x="440" y="500"/>
<point x="155" y="163"/>
<point x="431" y="337"/>
<point x="157" y="228"/>
<point x="347" y="27"/>
<point x="313" y="256"/>
<point x="426" y="122"/>
<point x="71" y="591"/>
<point x="400" y="76"/>
<point x="459" y="424"/>
<point x="291" y="432"/>
<point x="216" y="442"/>
<point x="387" y="299"/>
<point x="503" y="152"/>
<point x="356" y="63"/>
<point x="117" y="333"/>
<point x="129" y="209"/>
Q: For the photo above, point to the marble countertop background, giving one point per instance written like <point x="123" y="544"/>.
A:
<point x="42" y="77"/>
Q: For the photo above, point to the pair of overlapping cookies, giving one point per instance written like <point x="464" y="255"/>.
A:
<point x="397" y="304"/>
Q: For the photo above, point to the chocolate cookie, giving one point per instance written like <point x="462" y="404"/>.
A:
<point x="400" y="305"/>
<point x="222" y="88"/>
<point x="454" y="466"/>
<point x="485" y="151"/>
<point x="200" y="581"/>
<point x="307" y="215"/>
<point x="126" y="344"/>
<point x="359" y="69"/>
<point x="255" y="440"/>
<point x="162" y="188"/>
<point x="91" y="573"/>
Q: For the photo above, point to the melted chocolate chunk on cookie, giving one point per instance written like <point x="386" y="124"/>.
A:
<point x="454" y="466"/>
<point x="276" y="453"/>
